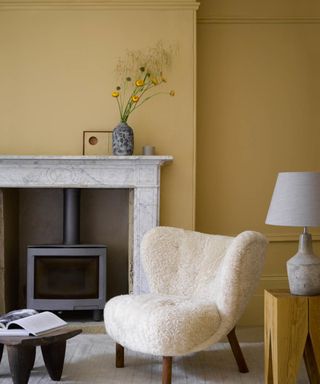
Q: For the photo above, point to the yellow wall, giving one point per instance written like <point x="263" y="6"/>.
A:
<point x="258" y="114"/>
<point x="57" y="73"/>
<point x="258" y="94"/>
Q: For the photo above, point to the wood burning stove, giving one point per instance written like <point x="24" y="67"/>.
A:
<point x="68" y="276"/>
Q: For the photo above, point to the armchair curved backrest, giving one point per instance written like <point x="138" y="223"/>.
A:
<point x="221" y="269"/>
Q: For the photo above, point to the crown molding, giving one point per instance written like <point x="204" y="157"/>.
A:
<point x="258" y="20"/>
<point x="98" y="5"/>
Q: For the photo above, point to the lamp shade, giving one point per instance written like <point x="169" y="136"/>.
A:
<point x="296" y="200"/>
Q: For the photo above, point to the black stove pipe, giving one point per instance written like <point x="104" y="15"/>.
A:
<point x="71" y="216"/>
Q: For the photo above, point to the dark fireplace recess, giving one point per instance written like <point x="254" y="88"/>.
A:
<point x="68" y="276"/>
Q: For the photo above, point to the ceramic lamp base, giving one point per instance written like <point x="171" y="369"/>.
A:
<point x="304" y="269"/>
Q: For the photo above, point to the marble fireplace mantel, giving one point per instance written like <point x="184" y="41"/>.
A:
<point x="140" y="174"/>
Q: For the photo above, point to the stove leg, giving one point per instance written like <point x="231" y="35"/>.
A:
<point x="97" y="315"/>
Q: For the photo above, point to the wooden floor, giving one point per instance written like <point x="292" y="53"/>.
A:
<point x="90" y="359"/>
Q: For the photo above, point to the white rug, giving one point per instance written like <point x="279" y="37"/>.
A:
<point x="90" y="359"/>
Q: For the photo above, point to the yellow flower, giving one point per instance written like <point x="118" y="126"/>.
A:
<point x="115" y="94"/>
<point x="139" y="83"/>
<point x="154" y="81"/>
<point x="172" y="93"/>
<point x="135" y="98"/>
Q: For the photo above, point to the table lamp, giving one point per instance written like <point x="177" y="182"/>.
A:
<point x="296" y="202"/>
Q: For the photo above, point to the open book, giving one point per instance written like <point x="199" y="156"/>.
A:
<point x="29" y="322"/>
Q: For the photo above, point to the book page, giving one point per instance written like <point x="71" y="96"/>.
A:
<point x="13" y="332"/>
<point x="39" y="323"/>
<point x="15" y="315"/>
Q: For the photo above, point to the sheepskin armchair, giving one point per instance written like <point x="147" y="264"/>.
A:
<point x="199" y="286"/>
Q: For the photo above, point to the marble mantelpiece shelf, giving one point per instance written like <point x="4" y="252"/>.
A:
<point x="81" y="171"/>
<point x="141" y="174"/>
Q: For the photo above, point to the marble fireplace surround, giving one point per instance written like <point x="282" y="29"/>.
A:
<point x="139" y="174"/>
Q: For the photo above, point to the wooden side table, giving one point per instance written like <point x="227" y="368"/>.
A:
<point x="22" y="351"/>
<point x="292" y="330"/>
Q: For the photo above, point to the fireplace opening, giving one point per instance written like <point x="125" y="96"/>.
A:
<point x="68" y="276"/>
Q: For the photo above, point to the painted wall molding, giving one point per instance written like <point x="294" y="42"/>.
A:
<point x="288" y="237"/>
<point x="264" y="278"/>
<point x="98" y="5"/>
<point x="284" y="237"/>
<point x="258" y="20"/>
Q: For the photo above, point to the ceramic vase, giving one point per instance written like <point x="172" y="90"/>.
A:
<point x="122" y="140"/>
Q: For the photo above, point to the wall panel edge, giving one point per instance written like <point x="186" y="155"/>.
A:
<point x="258" y="20"/>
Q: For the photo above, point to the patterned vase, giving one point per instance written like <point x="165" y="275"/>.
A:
<point x="122" y="140"/>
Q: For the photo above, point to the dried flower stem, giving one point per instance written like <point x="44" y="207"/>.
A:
<point x="147" y="70"/>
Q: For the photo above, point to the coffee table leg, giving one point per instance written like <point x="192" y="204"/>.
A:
<point x="53" y="356"/>
<point x="1" y="351"/>
<point x="21" y="360"/>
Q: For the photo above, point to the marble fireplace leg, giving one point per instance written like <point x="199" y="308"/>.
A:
<point x="145" y="217"/>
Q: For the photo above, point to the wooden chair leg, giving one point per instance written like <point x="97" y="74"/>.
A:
<point x="237" y="353"/>
<point x="119" y="356"/>
<point x="166" y="369"/>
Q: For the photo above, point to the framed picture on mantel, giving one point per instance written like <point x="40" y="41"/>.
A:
<point x="97" y="143"/>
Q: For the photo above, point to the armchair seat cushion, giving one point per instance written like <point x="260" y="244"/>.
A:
<point x="161" y="324"/>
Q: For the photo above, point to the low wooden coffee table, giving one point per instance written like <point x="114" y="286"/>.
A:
<point x="22" y="353"/>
